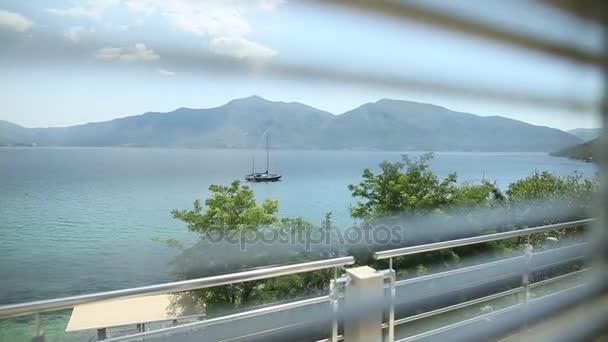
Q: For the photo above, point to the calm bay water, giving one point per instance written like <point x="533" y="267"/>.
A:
<point x="79" y="220"/>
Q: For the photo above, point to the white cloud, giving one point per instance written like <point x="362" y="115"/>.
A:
<point x="14" y="21"/>
<point x="222" y="21"/>
<point x="204" y="18"/>
<point x="239" y="47"/>
<point x="136" y="53"/>
<point x="90" y="9"/>
<point x="73" y="34"/>
<point x="116" y="27"/>
<point x="166" y="72"/>
<point x="143" y="6"/>
<point x="269" y="5"/>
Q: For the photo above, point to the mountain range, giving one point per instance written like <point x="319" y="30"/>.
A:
<point x="242" y="123"/>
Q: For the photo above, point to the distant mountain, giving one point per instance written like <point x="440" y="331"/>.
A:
<point x="11" y="134"/>
<point x="584" y="151"/>
<point x="586" y="134"/>
<point x="403" y="125"/>
<point x="383" y="125"/>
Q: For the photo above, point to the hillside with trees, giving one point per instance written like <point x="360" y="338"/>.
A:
<point x="584" y="151"/>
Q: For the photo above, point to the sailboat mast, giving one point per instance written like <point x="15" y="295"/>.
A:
<point x="266" y="152"/>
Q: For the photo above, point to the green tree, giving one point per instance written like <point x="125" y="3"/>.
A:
<point x="546" y="186"/>
<point x="485" y="193"/>
<point x="233" y="211"/>
<point x="229" y="208"/>
<point x="554" y="199"/>
<point x="409" y="188"/>
<point x="395" y="191"/>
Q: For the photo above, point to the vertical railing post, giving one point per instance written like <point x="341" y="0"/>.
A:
<point x="38" y="333"/>
<point x="363" y="305"/>
<point x="525" y="282"/>
<point x="333" y="302"/>
<point x="391" y="305"/>
<point x="526" y="275"/>
<point x="102" y="334"/>
<point x="335" y="286"/>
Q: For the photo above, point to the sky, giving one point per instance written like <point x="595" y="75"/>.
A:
<point x="70" y="62"/>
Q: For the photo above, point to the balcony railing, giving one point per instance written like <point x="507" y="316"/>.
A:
<point x="327" y="315"/>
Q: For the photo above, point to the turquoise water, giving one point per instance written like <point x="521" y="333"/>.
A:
<point x="79" y="220"/>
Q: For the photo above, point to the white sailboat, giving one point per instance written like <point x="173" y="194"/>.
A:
<point x="263" y="176"/>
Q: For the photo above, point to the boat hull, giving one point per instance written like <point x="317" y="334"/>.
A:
<point x="263" y="178"/>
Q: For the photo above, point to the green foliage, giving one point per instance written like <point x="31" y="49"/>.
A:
<point x="543" y="187"/>
<point x="486" y="193"/>
<point x="233" y="210"/>
<point x="550" y="193"/>
<point x="409" y="187"/>
<point x="230" y="207"/>
<point x="405" y="188"/>
<point x="421" y="270"/>
<point x="546" y="185"/>
<point x="393" y="191"/>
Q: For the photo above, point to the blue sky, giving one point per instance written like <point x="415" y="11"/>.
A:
<point x="76" y="61"/>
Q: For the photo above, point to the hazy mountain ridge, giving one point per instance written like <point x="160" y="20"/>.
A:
<point x="241" y="123"/>
<point x="586" y="134"/>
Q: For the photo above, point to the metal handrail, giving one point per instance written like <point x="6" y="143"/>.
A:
<point x="485" y="265"/>
<point x="558" y="278"/>
<point x="486" y="316"/>
<point x="458" y="306"/>
<point x="487" y="298"/>
<point x="35" y="307"/>
<point x="224" y="319"/>
<point x="459" y="324"/>
<point x="455" y="271"/>
<point x="477" y="239"/>
<point x="478" y="301"/>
